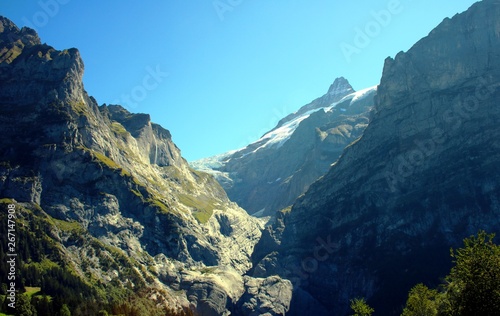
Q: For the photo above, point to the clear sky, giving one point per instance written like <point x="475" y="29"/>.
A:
<point x="219" y="74"/>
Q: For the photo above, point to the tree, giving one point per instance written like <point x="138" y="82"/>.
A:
<point x="65" y="311"/>
<point x="360" y="307"/>
<point x="421" y="302"/>
<point x="473" y="285"/>
<point x="43" y="305"/>
<point x="23" y="306"/>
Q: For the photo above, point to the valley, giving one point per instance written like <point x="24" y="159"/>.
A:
<point x="356" y="195"/>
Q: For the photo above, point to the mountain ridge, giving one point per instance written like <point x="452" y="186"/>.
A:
<point x="295" y="153"/>
<point x="420" y="179"/>
<point x="119" y="182"/>
<point x="384" y="180"/>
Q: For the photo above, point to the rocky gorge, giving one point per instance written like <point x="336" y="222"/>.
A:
<point x="357" y="194"/>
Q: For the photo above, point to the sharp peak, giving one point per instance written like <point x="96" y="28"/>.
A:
<point x="340" y="85"/>
<point x="10" y="32"/>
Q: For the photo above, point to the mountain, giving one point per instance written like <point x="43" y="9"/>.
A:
<point x="423" y="176"/>
<point x="108" y="211"/>
<point x="110" y="217"/>
<point x="269" y="174"/>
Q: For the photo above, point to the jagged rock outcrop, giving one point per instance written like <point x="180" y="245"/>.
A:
<point x="266" y="296"/>
<point x="120" y="179"/>
<point x="338" y="89"/>
<point x="423" y="176"/>
<point x="268" y="175"/>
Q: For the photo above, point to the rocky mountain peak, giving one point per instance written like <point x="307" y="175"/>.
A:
<point x="13" y="39"/>
<point x="120" y="181"/>
<point x="340" y="87"/>
<point x="296" y="153"/>
<point x="22" y="56"/>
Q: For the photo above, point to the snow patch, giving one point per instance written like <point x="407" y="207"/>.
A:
<point x="361" y="94"/>
<point x="276" y="137"/>
<point x="281" y="134"/>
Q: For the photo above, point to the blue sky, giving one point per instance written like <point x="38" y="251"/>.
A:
<point x="219" y="74"/>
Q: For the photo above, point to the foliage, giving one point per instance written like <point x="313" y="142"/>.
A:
<point x="50" y="282"/>
<point x="360" y="307"/>
<point x="203" y="207"/>
<point x="43" y="305"/>
<point x="23" y="306"/>
<point x="79" y="107"/>
<point x="64" y="311"/>
<point x="421" y="302"/>
<point x="473" y="285"/>
<point x="118" y="129"/>
<point x="471" y="288"/>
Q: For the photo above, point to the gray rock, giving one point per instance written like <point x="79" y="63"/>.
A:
<point x="266" y="296"/>
<point x="423" y="176"/>
<point x="120" y="178"/>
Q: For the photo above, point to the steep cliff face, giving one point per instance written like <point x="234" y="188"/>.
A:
<point x="120" y="178"/>
<point x="423" y="176"/>
<point x="268" y="175"/>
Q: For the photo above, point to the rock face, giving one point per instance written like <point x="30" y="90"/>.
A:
<point x="269" y="296"/>
<point x="338" y="89"/>
<point x="268" y="175"/>
<point x="423" y="176"/>
<point x="121" y="179"/>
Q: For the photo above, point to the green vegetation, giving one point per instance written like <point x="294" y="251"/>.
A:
<point x="158" y="204"/>
<point x="72" y="226"/>
<point x="106" y="161"/>
<point x="12" y="53"/>
<point x="175" y="175"/>
<point x="421" y="302"/>
<point x="118" y="129"/>
<point x="203" y="207"/>
<point x="49" y="283"/>
<point x="79" y="107"/>
<point x="202" y="216"/>
<point x="360" y="307"/>
<point x="31" y="291"/>
<point x="471" y="288"/>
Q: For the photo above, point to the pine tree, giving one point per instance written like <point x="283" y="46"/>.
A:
<point x="43" y="305"/>
<point x="360" y="307"/>
<point x="23" y="306"/>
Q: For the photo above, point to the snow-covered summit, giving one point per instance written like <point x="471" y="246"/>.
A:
<point x="281" y="134"/>
<point x="287" y="126"/>
<point x="270" y="173"/>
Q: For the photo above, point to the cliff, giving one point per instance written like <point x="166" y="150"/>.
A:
<point x="423" y="176"/>
<point x="121" y="184"/>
